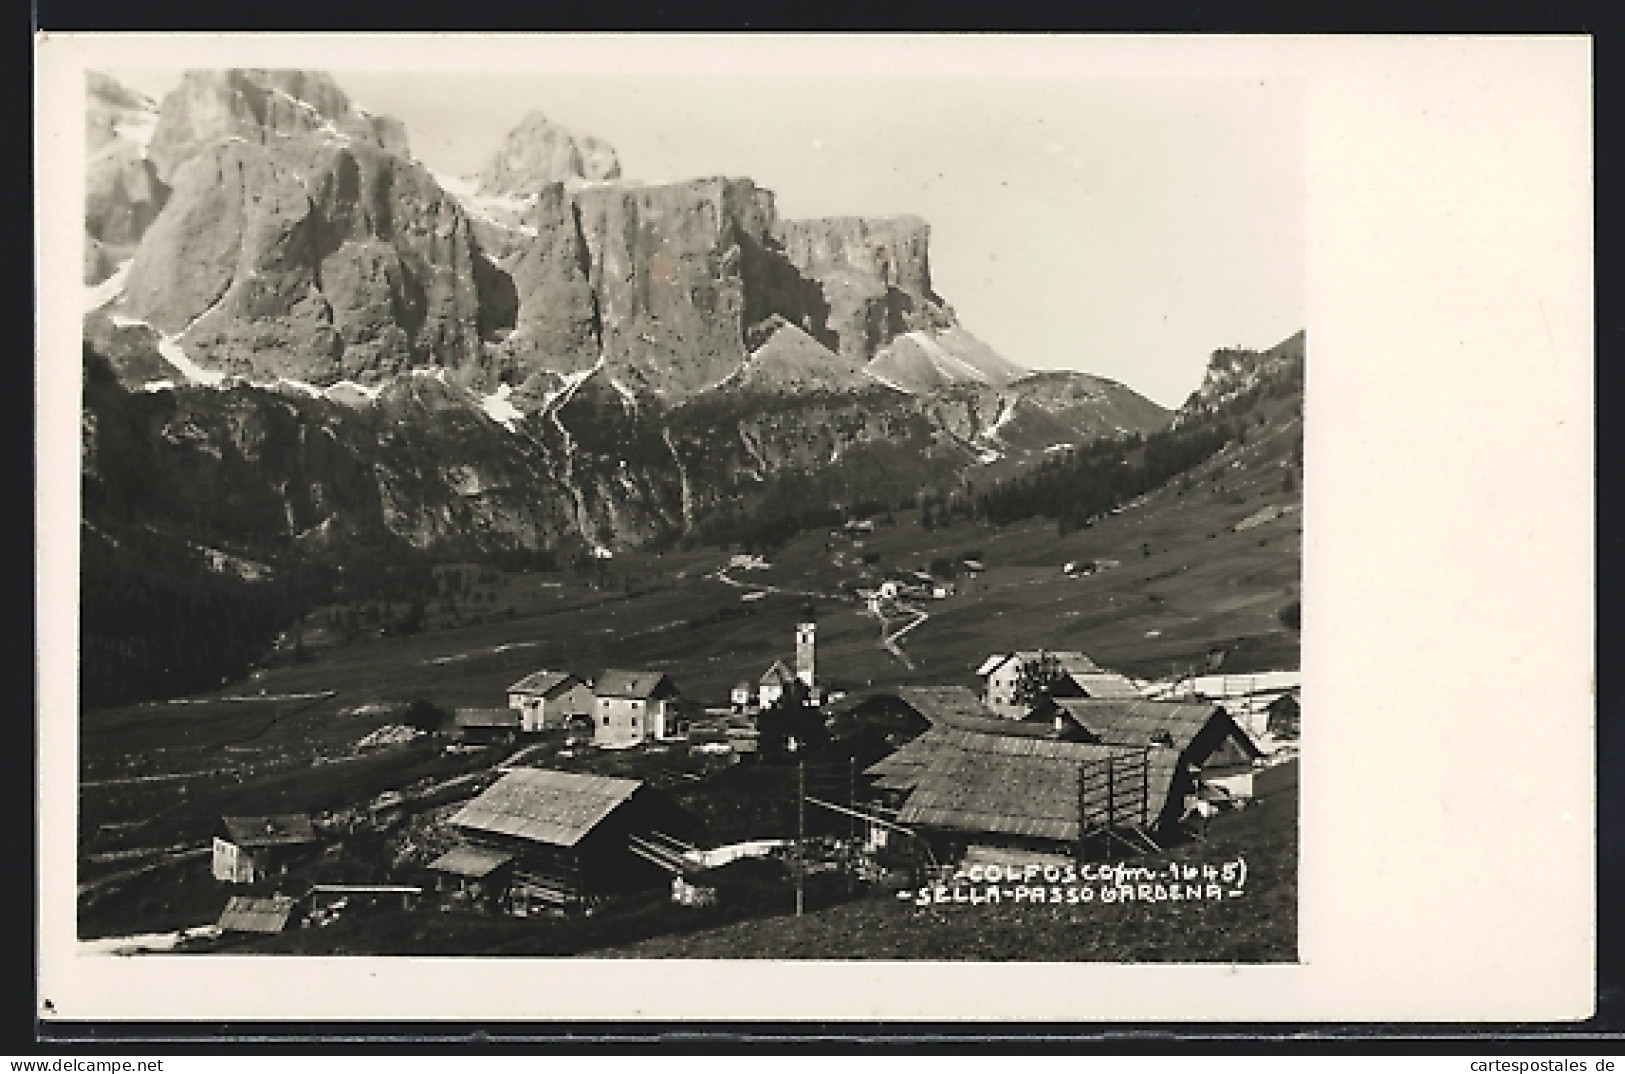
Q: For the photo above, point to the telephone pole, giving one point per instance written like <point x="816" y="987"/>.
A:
<point x="851" y="825"/>
<point x="801" y="829"/>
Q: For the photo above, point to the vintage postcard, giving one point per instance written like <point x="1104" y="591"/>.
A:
<point x="719" y="516"/>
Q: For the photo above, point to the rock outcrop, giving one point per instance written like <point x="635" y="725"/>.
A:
<point x="313" y="260"/>
<point x="665" y="265"/>
<point x="539" y="152"/>
<point x="539" y="357"/>
<point x="1235" y="371"/>
<point x="123" y="193"/>
<point x="875" y="275"/>
<point x="261" y="106"/>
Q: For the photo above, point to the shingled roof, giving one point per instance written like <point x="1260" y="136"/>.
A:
<point x="1020" y="786"/>
<point x="1070" y="662"/>
<point x="545" y="806"/>
<point x="1146" y="723"/>
<point x="485" y="718"/>
<point x="958" y="708"/>
<point x="545" y="683"/>
<point x="633" y="684"/>
<point x="281" y="829"/>
<point x="472" y="862"/>
<point x="1105" y="684"/>
<point x="246" y="913"/>
<point x="777" y="672"/>
<point x="945" y="706"/>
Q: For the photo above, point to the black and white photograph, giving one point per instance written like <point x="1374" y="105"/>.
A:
<point x="533" y="512"/>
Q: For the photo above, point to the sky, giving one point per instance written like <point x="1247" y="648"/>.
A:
<point x="1126" y="227"/>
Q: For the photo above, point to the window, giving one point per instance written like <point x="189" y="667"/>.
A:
<point x="606" y="721"/>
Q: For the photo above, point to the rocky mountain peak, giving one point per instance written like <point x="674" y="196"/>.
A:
<point x="257" y="105"/>
<point x="1234" y="371"/>
<point x="539" y="151"/>
<point x="123" y="193"/>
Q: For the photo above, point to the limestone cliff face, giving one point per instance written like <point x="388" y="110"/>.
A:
<point x="313" y="260"/>
<point x="874" y="274"/>
<point x="123" y="194"/>
<point x="260" y="106"/>
<point x="665" y="265"/>
<point x="549" y="355"/>
<point x="555" y="325"/>
<point x="1233" y="372"/>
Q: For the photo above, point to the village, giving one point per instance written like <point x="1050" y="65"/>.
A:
<point x="572" y="798"/>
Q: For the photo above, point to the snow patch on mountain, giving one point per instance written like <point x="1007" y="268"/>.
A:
<point x="500" y="409"/>
<point x="98" y="295"/>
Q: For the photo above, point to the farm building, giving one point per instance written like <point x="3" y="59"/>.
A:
<point x="1079" y="677"/>
<point x="245" y="913"/>
<point x="473" y="877"/>
<point x="254" y="848"/>
<point x="545" y="700"/>
<point x="1080" y="771"/>
<point x="481" y="726"/>
<point x="1203" y="732"/>
<point x="634" y="706"/>
<point x="567" y="835"/>
<point x="1284" y="716"/>
<point x="740" y="698"/>
<point x="774" y="681"/>
<point x="957" y="708"/>
<point x="959" y="788"/>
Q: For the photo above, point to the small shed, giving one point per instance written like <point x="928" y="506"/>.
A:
<point x="1284" y="717"/>
<point x="484" y="726"/>
<point x="245" y="913"/>
<point x="472" y="877"/>
<point x="256" y="847"/>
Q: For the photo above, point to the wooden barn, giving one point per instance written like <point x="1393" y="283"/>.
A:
<point x="546" y="700"/>
<point x="473" y="878"/>
<point x="563" y="835"/>
<point x="477" y="727"/>
<point x="254" y="848"/>
<point x="1207" y="739"/>
<point x="1079" y="773"/>
<point x="960" y="788"/>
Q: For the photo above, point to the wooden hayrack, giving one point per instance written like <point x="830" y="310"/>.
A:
<point x="1114" y="801"/>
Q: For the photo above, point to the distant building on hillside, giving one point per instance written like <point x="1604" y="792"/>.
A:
<point x="631" y="707"/>
<point x="254" y="848"/>
<point x="740" y="698"/>
<point x="1285" y="714"/>
<point x="774" y="681"/>
<point x="546" y="700"/>
<point x="1079" y="677"/>
<point x="477" y="727"/>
